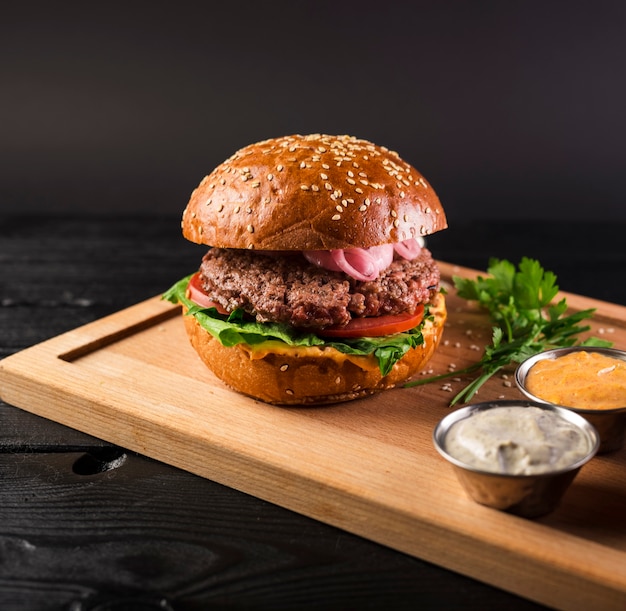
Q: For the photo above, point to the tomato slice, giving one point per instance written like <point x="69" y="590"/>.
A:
<point x="376" y="326"/>
<point x="199" y="297"/>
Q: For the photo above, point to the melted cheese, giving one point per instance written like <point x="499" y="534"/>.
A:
<point x="276" y="347"/>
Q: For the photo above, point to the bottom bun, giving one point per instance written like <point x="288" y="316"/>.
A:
<point x="305" y="376"/>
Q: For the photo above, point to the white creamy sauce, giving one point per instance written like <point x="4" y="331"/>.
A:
<point x="516" y="440"/>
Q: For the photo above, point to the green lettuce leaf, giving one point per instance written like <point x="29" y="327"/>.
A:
<point x="235" y="329"/>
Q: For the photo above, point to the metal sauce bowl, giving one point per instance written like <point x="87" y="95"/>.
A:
<point x="610" y="423"/>
<point x="529" y="496"/>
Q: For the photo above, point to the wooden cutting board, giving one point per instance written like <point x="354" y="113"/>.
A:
<point x="367" y="466"/>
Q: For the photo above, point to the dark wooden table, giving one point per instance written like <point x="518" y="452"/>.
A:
<point x="85" y="525"/>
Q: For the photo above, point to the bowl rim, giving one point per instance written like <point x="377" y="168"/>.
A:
<point x="521" y="372"/>
<point x="443" y="426"/>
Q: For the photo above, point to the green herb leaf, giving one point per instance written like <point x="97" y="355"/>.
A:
<point x="519" y="303"/>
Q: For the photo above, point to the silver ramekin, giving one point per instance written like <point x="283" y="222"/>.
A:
<point x="529" y="496"/>
<point x="610" y="423"/>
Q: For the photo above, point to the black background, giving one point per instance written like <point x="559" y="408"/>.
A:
<point x="511" y="110"/>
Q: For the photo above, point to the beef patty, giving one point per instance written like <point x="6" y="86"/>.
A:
<point x="285" y="287"/>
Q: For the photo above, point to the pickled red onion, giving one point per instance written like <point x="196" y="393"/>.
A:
<point x="363" y="263"/>
<point x="408" y="249"/>
<point x="356" y="262"/>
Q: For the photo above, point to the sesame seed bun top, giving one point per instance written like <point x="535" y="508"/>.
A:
<point x="314" y="192"/>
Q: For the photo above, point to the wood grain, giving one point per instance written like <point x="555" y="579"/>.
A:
<point x="367" y="466"/>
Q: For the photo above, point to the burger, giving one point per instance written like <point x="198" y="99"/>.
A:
<point x="316" y="286"/>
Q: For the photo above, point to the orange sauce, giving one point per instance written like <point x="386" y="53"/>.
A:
<point x="585" y="380"/>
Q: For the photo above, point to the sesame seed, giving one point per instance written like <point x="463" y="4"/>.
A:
<point x="279" y="168"/>
<point x="256" y="184"/>
<point x="359" y="190"/>
<point x="237" y="208"/>
<point x="326" y="166"/>
<point x="250" y="228"/>
<point x="336" y="217"/>
<point x="394" y="214"/>
<point x="284" y="367"/>
<point x="244" y="177"/>
<point x="338" y="208"/>
<point x="324" y="176"/>
<point x="223" y="181"/>
<point x="367" y="201"/>
<point x="249" y="210"/>
<point x="270" y="177"/>
<point x="350" y="174"/>
<point x="302" y="165"/>
<point x="328" y="186"/>
<point x="209" y="202"/>
<point x="315" y="188"/>
<point x="220" y="207"/>
<point x="289" y="391"/>
<point x="362" y="208"/>
<point x="304" y="187"/>
<point x="396" y="223"/>
<point x="350" y="181"/>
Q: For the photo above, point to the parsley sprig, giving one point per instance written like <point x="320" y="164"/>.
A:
<point x="519" y="302"/>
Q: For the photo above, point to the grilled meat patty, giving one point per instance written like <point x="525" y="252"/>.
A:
<point x="284" y="287"/>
